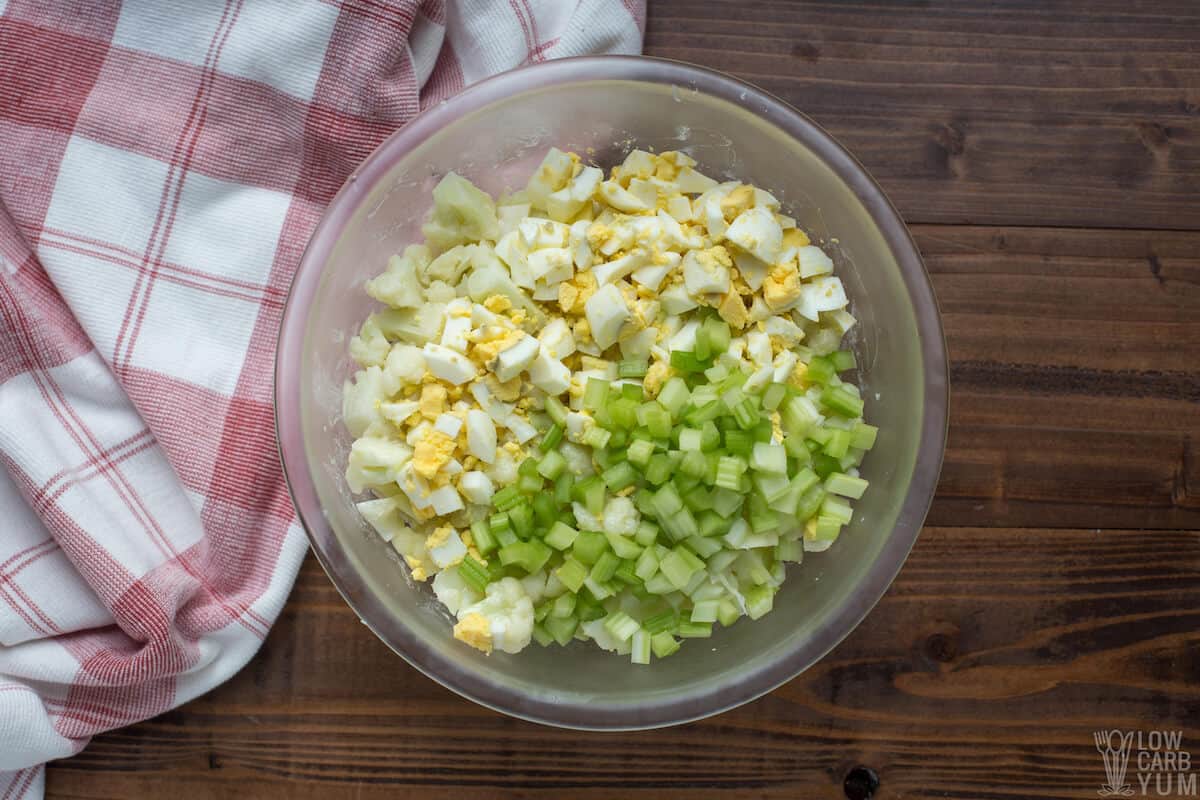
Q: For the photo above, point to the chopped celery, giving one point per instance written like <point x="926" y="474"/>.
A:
<point x="842" y="401"/>
<point x="663" y="621"/>
<point x="553" y="464"/>
<point x="563" y="605"/>
<point x="659" y="469"/>
<point x="595" y="394"/>
<point x="705" y="611"/>
<point x="845" y="485"/>
<point x="674" y="396"/>
<point x="481" y="534"/>
<point x="506" y="498"/>
<point x="647" y="532"/>
<point x="679" y="566"/>
<point x="571" y="574"/>
<point x="623" y="546"/>
<point x="556" y="410"/>
<point x="863" y="436"/>
<point x="596" y="437"/>
<point x="820" y="370"/>
<point x="663" y="644"/>
<point x="647" y="564"/>
<point x="686" y="361"/>
<point x="695" y="630"/>
<point x="842" y="360"/>
<point x="631" y="369"/>
<point x="560" y="536"/>
<point x="759" y="600"/>
<point x="545" y="510"/>
<point x="529" y="556"/>
<point x="521" y="516"/>
<point x="739" y="442"/>
<point x="474" y="574"/>
<point x="639" y="652"/>
<point x="552" y="438"/>
<point x="605" y="566"/>
<point x="621" y="625"/>
<point x="640" y="451"/>
<point x="542" y="636"/>
<point x="562" y="628"/>
<point x="589" y="546"/>
<point x="773" y="395"/>
<point x="729" y="472"/>
<point x="769" y="458"/>
<point x="620" y="476"/>
<point x="562" y="488"/>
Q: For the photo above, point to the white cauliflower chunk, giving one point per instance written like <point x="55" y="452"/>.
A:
<point x="620" y="516"/>
<point x="453" y="591"/>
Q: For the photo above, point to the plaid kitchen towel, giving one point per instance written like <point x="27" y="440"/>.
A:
<point x="162" y="164"/>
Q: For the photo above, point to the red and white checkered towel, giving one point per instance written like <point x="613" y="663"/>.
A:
<point x="162" y="164"/>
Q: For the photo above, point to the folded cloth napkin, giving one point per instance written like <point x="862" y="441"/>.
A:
<point x="162" y="164"/>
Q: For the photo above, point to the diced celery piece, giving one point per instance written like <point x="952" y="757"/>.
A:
<point x="605" y="566"/>
<point x="729" y="472"/>
<point x="481" y="533"/>
<point x="600" y="591"/>
<point x="863" y="436"/>
<point x="845" y="485"/>
<point x="726" y="502"/>
<point x="759" y="600"/>
<point x="705" y="611"/>
<point x="837" y="508"/>
<point x="561" y="628"/>
<point x="647" y="532"/>
<point x="620" y="476"/>
<point x="663" y="644"/>
<point x="704" y="546"/>
<point x="773" y="395"/>
<point x="621" y="625"/>
<point x="595" y="394"/>
<point x="659" y="469"/>
<point x="674" y="396"/>
<point x="769" y="458"/>
<point x="827" y="528"/>
<point x="639" y="652"/>
<point x="678" y="568"/>
<point x="589" y="546"/>
<point x="695" y="630"/>
<point x="728" y="612"/>
<point x="623" y="546"/>
<point x="647" y="564"/>
<point x="560" y="536"/>
<point x="552" y="465"/>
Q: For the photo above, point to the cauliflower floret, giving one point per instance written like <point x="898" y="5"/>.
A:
<point x="370" y="347"/>
<point x="579" y="460"/>
<point x="461" y="213"/>
<point x="398" y="286"/>
<point x="374" y="462"/>
<point x="585" y="519"/>
<point x="508" y="613"/>
<point x="621" y="517"/>
<point x="361" y="399"/>
<point x="453" y="591"/>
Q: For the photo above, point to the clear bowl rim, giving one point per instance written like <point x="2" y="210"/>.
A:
<point x="841" y="621"/>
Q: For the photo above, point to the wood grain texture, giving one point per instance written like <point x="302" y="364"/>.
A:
<point x="1047" y="156"/>
<point x="1037" y="113"/>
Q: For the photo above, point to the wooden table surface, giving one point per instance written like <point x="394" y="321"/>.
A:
<point x="1047" y="156"/>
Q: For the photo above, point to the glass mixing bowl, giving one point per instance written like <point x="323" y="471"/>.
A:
<point x="495" y="133"/>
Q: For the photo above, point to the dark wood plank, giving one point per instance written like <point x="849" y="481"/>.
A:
<point x="981" y="674"/>
<point x="1075" y="387"/>
<point x="1034" y="113"/>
